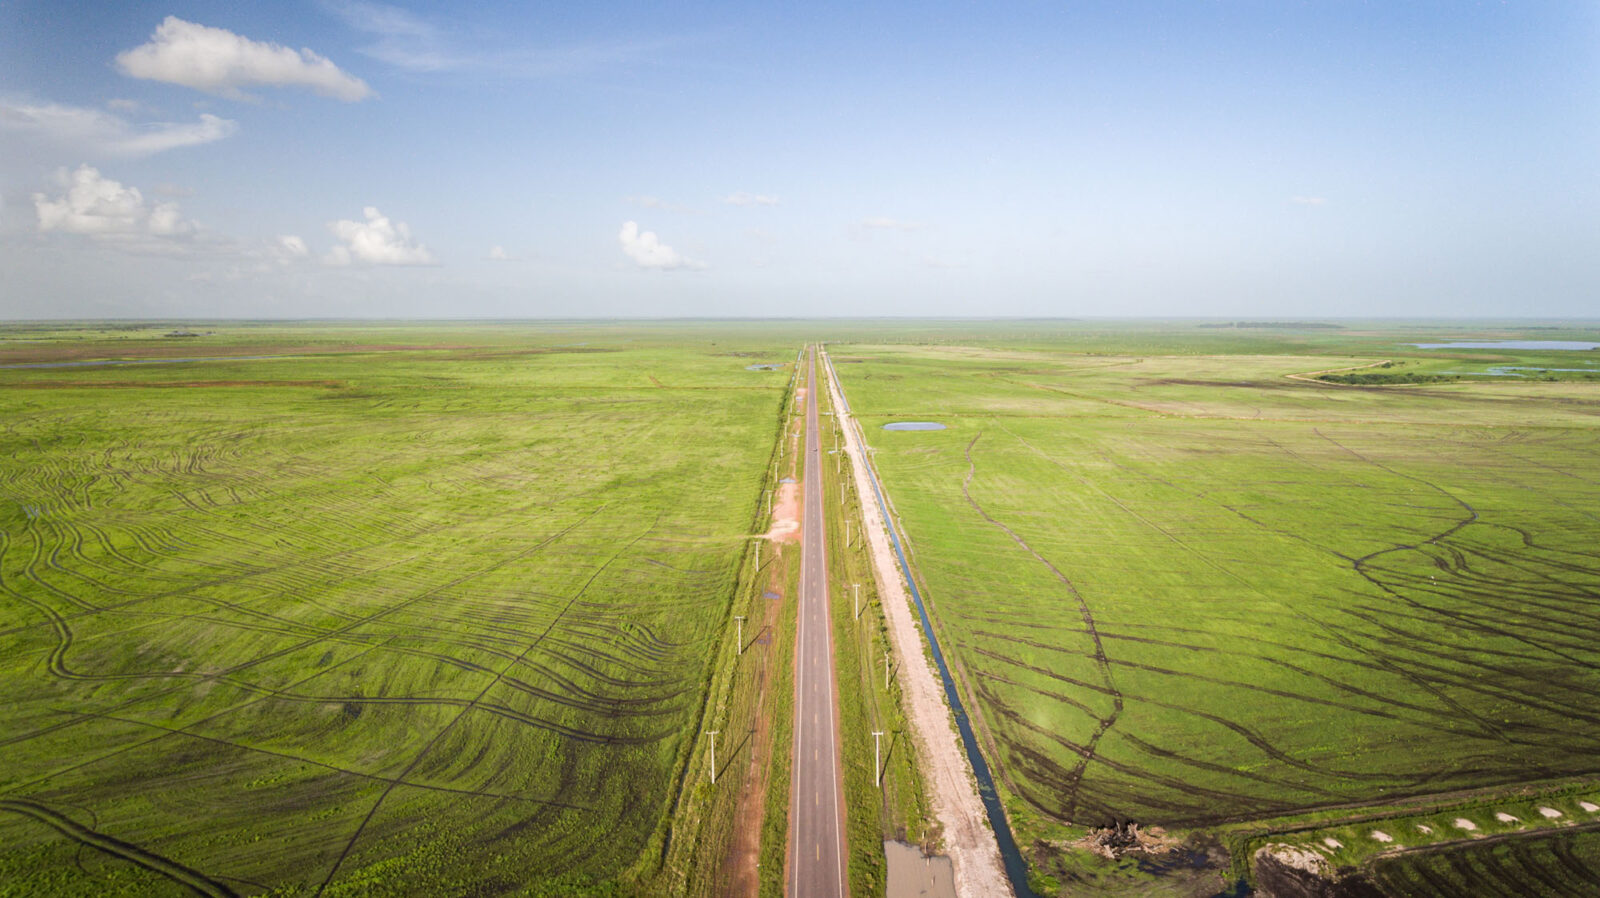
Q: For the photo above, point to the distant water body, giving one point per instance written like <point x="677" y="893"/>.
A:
<point x="914" y="425"/>
<point x="1512" y="344"/>
<point x="110" y="363"/>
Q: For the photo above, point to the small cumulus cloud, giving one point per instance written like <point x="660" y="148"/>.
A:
<point x="647" y="251"/>
<point x="881" y="223"/>
<point x="406" y="41"/>
<point x="497" y="253"/>
<point x="94" y="132"/>
<point x="217" y="61"/>
<point x="655" y="202"/>
<point x="375" y="241"/>
<point x="741" y="198"/>
<point x="1307" y="200"/>
<point x="292" y="247"/>
<point x="95" y="206"/>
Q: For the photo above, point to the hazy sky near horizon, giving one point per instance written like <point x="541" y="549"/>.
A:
<point x="350" y="159"/>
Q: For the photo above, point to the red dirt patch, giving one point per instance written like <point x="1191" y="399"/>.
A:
<point x="743" y="861"/>
<point x="786" y="517"/>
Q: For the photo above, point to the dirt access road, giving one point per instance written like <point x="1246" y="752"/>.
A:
<point x="953" y="791"/>
<point x="816" y="787"/>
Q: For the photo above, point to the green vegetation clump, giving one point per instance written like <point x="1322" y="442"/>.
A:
<point x="1373" y="377"/>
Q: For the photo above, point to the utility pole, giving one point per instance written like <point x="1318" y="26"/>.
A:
<point x="847" y="533"/>
<point x="713" y="735"/>
<point x="877" y="769"/>
<point x="885" y="670"/>
<point x="857" y="605"/>
<point x="739" y="620"/>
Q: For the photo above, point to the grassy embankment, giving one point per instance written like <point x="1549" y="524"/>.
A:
<point x="412" y="610"/>
<point x="1184" y="589"/>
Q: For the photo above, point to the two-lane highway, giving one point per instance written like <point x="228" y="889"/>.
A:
<point x="816" y="788"/>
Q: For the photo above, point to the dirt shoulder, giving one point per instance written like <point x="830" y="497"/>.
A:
<point x="953" y="791"/>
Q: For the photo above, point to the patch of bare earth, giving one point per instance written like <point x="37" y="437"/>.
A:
<point x="953" y="792"/>
<point x="742" y="864"/>
<point x="786" y="515"/>
<point x="1113" y="842"/>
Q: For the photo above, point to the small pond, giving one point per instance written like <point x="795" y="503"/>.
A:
<point x="772" y="367"/>
<point x="1511" y="344"/>
<point x="914" y="425"/>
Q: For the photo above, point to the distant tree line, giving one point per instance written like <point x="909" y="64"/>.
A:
<point x="1281" y="325"/>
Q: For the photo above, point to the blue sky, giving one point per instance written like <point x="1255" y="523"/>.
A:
<point x="1232" y="159"/>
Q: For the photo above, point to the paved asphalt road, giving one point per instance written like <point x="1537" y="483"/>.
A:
<point x="816" y="789"/>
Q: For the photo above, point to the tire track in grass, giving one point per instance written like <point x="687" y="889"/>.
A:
<point x="1484" y="724"/>
<point x="1106" y="722"/>
<point x="423" y="753"/>
<point x="1248" y="734"/>
<point x="138" y="745"/>
<point x="196" y="881"/>
<point x="1308" y="673"/>
<point x="1387" y="664"/>
<point x="1360" y="564"/>
<point x="148" y="543"/>
<point x="64" y="636"/>
<point x="312" y="762"/>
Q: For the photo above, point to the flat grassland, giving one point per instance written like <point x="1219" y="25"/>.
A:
<point x="1184" y="588"/>
<point x="405" y="611"/>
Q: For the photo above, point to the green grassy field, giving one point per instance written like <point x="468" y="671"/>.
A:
<point x="394" y="611"/>
<point x="1185" y="589"/>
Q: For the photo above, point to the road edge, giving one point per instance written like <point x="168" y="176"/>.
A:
<point x="953" y="790"/>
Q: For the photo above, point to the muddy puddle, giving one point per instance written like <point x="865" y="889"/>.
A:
<point x="914" y="875"/>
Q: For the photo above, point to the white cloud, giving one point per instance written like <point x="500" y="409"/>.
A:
<point x="742" y="198"/>
<point x="101" y="133"/>
<point x="217" y="61"/>
<point x="647" y="251"/>
<point x="891" y="224"/>
<point x="98" y="207"/>
<point x="292" y="247"/>
<point x="376" y="241"/>
<point x="1307" y="200"/>
<point x="406" y="41"/>
<point x="498" y="253"/>
<point x="655" y="202"/>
